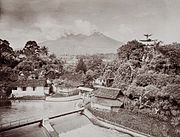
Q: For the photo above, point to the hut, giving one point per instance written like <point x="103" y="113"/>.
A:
<point x="106" y="99"/>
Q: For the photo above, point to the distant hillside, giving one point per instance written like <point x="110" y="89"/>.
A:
<point x="82" y="44"/>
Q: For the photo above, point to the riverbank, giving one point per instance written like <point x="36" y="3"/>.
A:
<point x="78" y="125"/>
<point x="5" y="102"/>
<point x="29" y="98"/>
<point x="103" y="123"/>
<point x="138" y="122"/>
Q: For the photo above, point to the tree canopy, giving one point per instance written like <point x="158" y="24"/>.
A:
<point x="31" y="48"/>
<point x="81" y="66"/>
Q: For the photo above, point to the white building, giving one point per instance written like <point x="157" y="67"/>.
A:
<point x="99" y="81"/>
<point x="30" y="88"/>
<point x="85" y="92"/>
<point x="28" y="91"/>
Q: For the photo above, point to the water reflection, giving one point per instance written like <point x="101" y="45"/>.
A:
<point x="4" y="103"/>
<point x="26" y="109"/>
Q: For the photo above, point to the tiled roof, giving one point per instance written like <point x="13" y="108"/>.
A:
<point x="107" y="102"/>
<point x="28" y="83"/>
<point x="104" y="92"/>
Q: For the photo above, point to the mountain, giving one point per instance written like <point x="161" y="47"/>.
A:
<point x="82" y="44"/>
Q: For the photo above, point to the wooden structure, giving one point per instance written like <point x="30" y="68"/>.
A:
<point x="106" y="99"/>
<point x="148" y="41"/>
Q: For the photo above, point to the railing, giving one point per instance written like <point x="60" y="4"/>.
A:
<point x="67" y="113"/>
<point x="20" y="123"/>
<point x="33" y="120"/>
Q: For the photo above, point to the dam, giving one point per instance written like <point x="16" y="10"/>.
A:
<point x="73" y="124"/>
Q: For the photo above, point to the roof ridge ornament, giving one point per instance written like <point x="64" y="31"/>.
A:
<point x="148" y="40"/>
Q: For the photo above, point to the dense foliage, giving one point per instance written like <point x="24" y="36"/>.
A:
<point x="81" y="66"/>
<point x="31" y="62"/>
<point x="7" y="61"/>
<point x="149" y="75"/>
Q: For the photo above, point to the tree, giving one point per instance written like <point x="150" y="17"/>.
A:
<point x="52" y="56"/>
<point x="131" y="50"/>
<point x="7" y="56"/>
<point x="171" y="90"/>
<point x="18" y="52"/>
<point x="44" y="50"/>
<point x="172" y="53"/>
<point x="25" y="66"/>
<point x="94" y="62"/>
<point x="31" y="48"/>
<point x="7" y="61"/>
<point x="123" y="75"/>
<point x="81" y="66"/>
<point x="89" y="77"/>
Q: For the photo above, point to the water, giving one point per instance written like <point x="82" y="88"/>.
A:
<point x="77" y="125"/>
<point x="74" y="125"/>
<point x="26" y="109"/>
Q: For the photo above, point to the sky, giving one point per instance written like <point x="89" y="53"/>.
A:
<point x="123" y="20"/>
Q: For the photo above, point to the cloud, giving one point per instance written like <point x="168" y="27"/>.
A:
<point x="45" y="28"/>
<point x="51" y="29"/>
<point x="22" y="20"/>
<point x="124" y="29"/>
<point x="83" y="27"/>
<point x="123" y="32"/>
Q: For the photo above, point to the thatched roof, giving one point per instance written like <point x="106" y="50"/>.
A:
<point x="110" y="93"/>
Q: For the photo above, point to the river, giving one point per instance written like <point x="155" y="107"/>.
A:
<point x="25" y="109"/>
<point x="74" y="125"/>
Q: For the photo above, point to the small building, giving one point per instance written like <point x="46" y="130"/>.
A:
<point x="29" y="88"/>
<point x="85" y="92"/>
<point x="106" y="99"/>
<point x="28" y="91"/>
<point x="99" y="81"/>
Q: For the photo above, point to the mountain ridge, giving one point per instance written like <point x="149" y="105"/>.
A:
<point x="80" y="44"/>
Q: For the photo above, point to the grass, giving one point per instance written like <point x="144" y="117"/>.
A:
<point x="139" y="122"/>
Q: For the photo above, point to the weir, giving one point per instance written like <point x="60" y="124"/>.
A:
<point x="28" y="121"/>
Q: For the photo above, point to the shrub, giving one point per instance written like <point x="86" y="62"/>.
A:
<point x="172" y="52"/>
<point x="134" y="91"/>
<point x="123" y="75"/>
<point x="145" y="79"/>
<point x="122" y="86"/>
<point x="171" y="90"/>
<point x="150" y="91"/>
